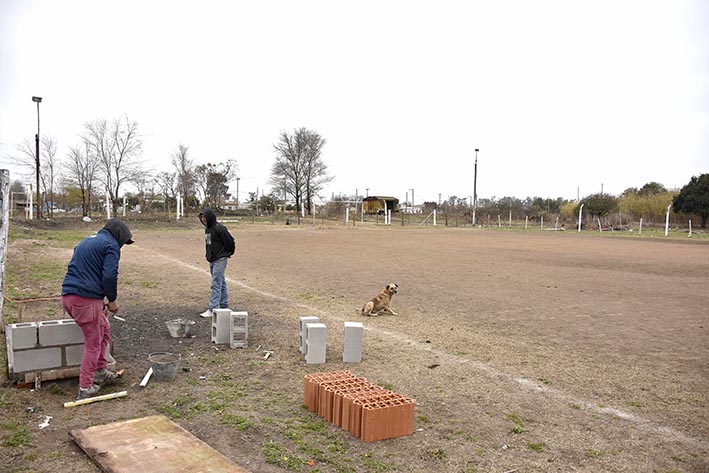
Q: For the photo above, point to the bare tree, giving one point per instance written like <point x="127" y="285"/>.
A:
<point x="118" y="147"/>
<point x="167" y="183"/>
<point x="184" y="167"/>
<point x="299" y="168"/>
<point x="213" y="180"/>
<point x="49" y="170"/>
<point x="81" y="172"/>
<point x="49" y="164"/>
<point x="25" y="156"/>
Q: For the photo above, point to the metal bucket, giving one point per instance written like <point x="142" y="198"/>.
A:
<point x="180" y="328"/>
<point x="165" y="365"/>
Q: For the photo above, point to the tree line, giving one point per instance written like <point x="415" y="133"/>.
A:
<point x="108" y="157"/>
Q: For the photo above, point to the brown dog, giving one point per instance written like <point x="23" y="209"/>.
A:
<point x="381" y="302"/>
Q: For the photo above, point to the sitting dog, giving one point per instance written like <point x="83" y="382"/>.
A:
<point x="381" y="302"/>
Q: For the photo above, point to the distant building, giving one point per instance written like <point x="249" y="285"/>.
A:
<point x="377" y="204"/>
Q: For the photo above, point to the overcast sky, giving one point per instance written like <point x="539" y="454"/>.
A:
<point x="559" y="96"/>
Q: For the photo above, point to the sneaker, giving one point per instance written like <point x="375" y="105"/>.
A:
<point x="207" y="314"/>
<point x="106" y="377"/>
<point x="87" y="393"/>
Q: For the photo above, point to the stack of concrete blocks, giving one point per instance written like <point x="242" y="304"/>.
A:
<point x="221" y="325"/>
<point x="352" y="352"/>
<point x="51" y="349"/>
<point x="304" y="321"/>
<point x="366" y="410"/>
<point x="239" y="329"/>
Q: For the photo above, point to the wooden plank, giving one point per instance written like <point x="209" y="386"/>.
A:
<point x="150" y="445"/>
<point x="62" y="373"/>
<point x="89" y="400"/>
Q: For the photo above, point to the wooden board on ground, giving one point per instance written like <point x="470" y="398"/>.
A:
<point x="150" y="444"/>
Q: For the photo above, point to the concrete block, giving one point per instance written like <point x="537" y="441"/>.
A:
<point x="354" y="332"/>
<point x="59" y="332"/>
<point x="308" y="319"/>
<point x="73" y="354"/>
<point x="220" y="325"/>
<point x="316" y="342"/>
<point x="239" y="329"/>
<point x="21" y="336"/>
<point x="37" y="359"/>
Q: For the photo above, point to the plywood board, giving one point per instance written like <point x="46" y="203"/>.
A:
<point x="150" y="444"/>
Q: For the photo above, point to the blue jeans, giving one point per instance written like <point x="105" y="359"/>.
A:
<point x="220" y="296"/>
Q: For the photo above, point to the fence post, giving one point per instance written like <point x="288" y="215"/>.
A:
<point x="4" y="224"/>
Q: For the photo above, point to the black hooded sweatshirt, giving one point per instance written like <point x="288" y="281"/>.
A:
<point x="218" y="240"/>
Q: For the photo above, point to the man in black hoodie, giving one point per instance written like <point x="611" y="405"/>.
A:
<point x="220" y="246"/>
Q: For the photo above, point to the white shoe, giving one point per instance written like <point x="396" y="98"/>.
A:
<point x="207" y="314"/>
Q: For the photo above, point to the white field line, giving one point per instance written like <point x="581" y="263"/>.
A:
<point x="646" y="424"/>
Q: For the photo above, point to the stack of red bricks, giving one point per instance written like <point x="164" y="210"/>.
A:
<point x="367" y="411"/>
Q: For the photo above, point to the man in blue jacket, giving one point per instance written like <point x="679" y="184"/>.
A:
<point x="91" y="277"/>
<point x="220" y="247"/>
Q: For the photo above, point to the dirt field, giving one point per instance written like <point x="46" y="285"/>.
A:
<point x="525" y="352"/>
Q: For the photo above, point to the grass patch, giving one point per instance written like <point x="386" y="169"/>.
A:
<point x="591" y="453"/>
<point x="20" y="436"/>
<point x="22" y="280"/>
<point x="374" y="465"/>
<point x="517" y="420"/>
<point x="236" y="422"/>
<point x="438" y="454"/>
<point x="148" y="284"/>
<point x="4" y="401"/>
<point x="277" y="454"/>
<point x="536" y="447"/>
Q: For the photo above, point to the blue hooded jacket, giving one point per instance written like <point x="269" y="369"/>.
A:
<point x="93" y="269"/>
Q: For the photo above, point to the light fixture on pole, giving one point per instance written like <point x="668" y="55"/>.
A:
<point x="37" y="100"/>
<point x="475" y="186"/>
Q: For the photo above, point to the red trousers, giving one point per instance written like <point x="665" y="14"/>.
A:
<point x="90" y="316"/>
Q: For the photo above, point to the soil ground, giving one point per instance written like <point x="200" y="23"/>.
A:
<point x="524" y="351"/>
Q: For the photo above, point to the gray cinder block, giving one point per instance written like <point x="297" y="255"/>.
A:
<point x="73" y="354"/>
<point x="59" y="332"/>
<point x="37" y="359"/>
<point x="21" y="336"/>
<point x="220" y="325"/>
<point x="352" y="353"/>
<point x="239" y="329"/>
<point x="316" y="342"/>
<point x="308" y="319"/>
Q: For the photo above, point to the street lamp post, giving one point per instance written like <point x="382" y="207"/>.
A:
<point x="475" y="186"/>
<point x="37" y="100"/>
<point x="237" y="192"/>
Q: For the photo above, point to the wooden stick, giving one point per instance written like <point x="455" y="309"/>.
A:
<point x="146" y="378"/>
<point x="89" y="400"/>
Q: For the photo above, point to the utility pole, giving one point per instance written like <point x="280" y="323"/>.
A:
<point x="475" y="186"/>
<point x="37" y="100"/>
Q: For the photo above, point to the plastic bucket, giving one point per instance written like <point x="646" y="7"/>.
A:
<point x="179" y="328"/>
<point x="165" y="365"/>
